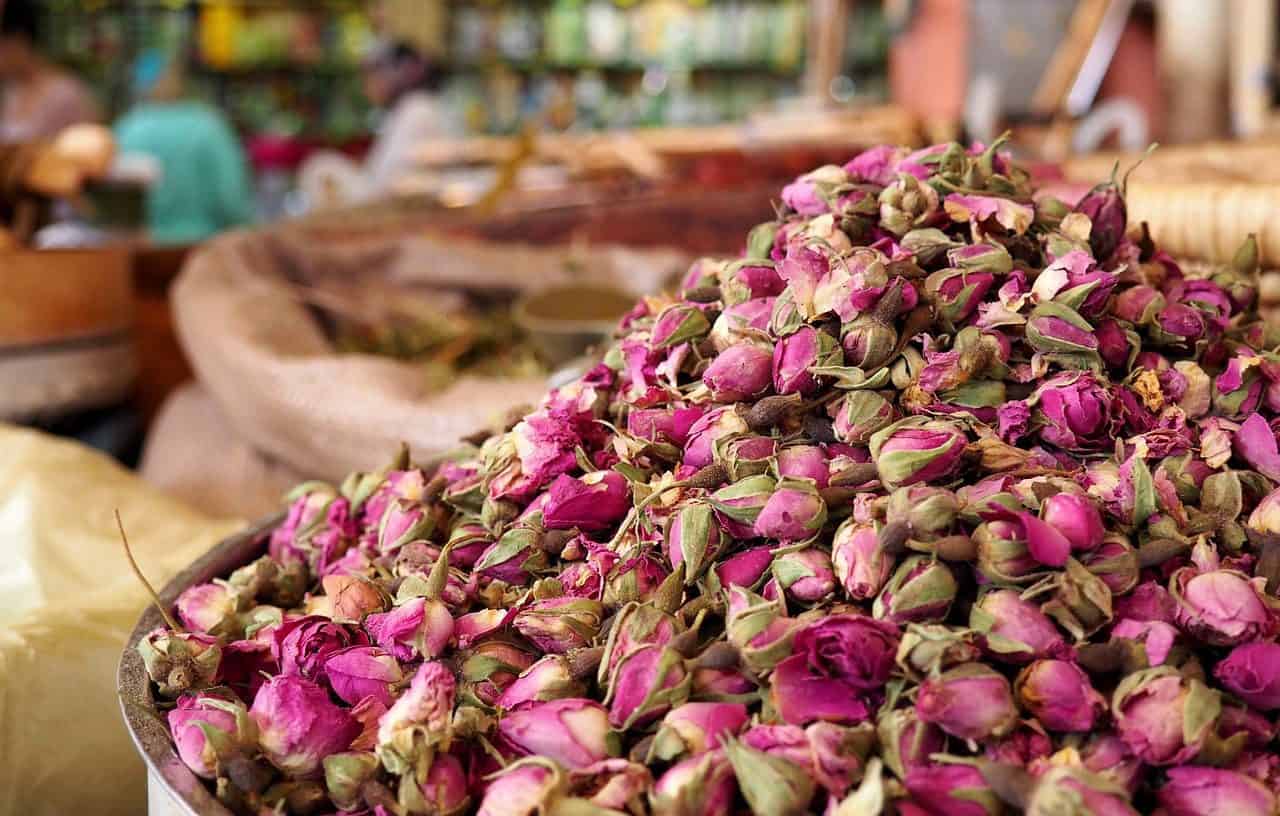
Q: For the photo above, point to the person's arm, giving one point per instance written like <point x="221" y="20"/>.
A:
<point x="231" y="190"/>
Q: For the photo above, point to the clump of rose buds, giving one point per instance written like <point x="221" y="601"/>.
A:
<point x="944" y="498"/>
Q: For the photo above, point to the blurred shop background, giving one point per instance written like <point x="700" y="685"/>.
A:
<point x="374" y="159"/>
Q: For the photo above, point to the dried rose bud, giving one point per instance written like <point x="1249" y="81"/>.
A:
<point x="759" y="628"/>
<point x="921" y="590"/>
<point x="676" y="324"/>
<point x="180" y="661"/>
<point x="1199" y="791"/>
<point x="1108" y="216"/>
<point x="970" y="702"/>
<point x="739" y="373"/>
<point x="514" y="557"/>
<point x="957" y="790"/>
<point x="1163" y="716"/>
<point x="574" y="732"/>
<point x="1076" y="518"/>
<point x="793" y="513"/>
<point x="557" y="625"/>
<point x="804" y="462"/>
<point x="1060" y="695"/>
<point x="739" y="505"/>
<point x="860" y="414"/>
<point x="956" y="293"/>
<point x="745" y="568"/>
<point x="1252" y="672"/>
<point x="742" y="322"/>
<point x="916" y="450"/>
<point x="345" y="775"/>
<point x="1138" y="305"/>
<point x="633" y="580"/>
<point x="1073" y="411"/>
<point x="1265" y="517"/>
<point x="444" y="791"/>
<point x="746" y="455"/>
<point x="1157" y="637"/>
<point x="351" y="597"/>
<point x="927" y="511"/>
<point x="644" y="685"/>
<point x="303" y="645"/>
<point x="420" y="628"/>
<point x="859" y="562"/>
<point x="835" y="662"/>
<point x="770" y="783"/>
<point x="669" y="425"/>
<point x="931" y="648"/>
<point x="593" y="502"/>
<point x="524" y="788"/>
<point x="209" y="608"/>
<point x="811" y="193"/>
<point x="694" y="537"/>
<point x="1117" y="345"/>
<point x="1068" y="788"/>
<point x="491" y="667"/>
<point x="985" y="212"/>
<point x="694" y="728"/>
<point x="1053" y="327"/>
<point x="298" y="726"/>
<point x="797" y="353"/>
<point x="702" y="785"/>
<point x="1016" y="630"/>
<point x="1003" y="554"/>
<point x="906" y="741"/>
<point x="617" y="785"/>
<point x="1220" y="607"/>
<point x="1115" y="563"/>
<point x="363" y="671"/>
<point x="907" y="204"/>
<point x="635" y="626"/>
<point x="713" y="425"/>
<point x="804" y="575"/>
<point x="207" y="729"/>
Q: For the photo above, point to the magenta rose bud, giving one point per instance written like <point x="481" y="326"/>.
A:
<point x="793" y="513"/>
<point x="860" y="563"/>
<point x="1220" y="607"/>
<point x="711" y="426"/>
<point x="594" y="502"/>
<point x="956" y="790"/>
<point x="702" y="784"/>
<point x="206" y="727"/>
<point x="797" y="353"/>
<point x="745" y="568"/>
<point x="1073" y="411"/>
<point x="363" y="671"/>
<point x="1252" y="673"/>
<point x="1201" y="791"/>
<point x="419" y="719"/>
<point x="208" y="608"/>
<point x="917" y="450"/>
<point x="303" y="645"/>
<point x="695" y="538"/>
<point x="835" y="663"/>
<point x="1055" y="328"/>
<point x="645" y="684"/>
<point x="298" y="726"/>
<point x="420" y="628"/>
<point x="694" y="728"/>
<point x="676" y="324"/>
<point x="804" y="462"/>
<point x="921" y="590"/>
<point x="906" y="741"/>
<point x="804" y="575"/>
<point x="958" y="292"/>
<point x="860" y="415"/>
<point x="446" y="790"/>
<point x="573" y="732"/>
<point x="552" y="678"/>
<point x="1075" y="517"/>
<point x="970" y="701"/>
<point x="557" y="625"/>
<point x="739" y="373"/>
<point x="671" y="425"/>
<point x="1163" y="716"/>
<point x="1060" y="695"/>
<point x="1015" y="629"/>
<point x="1116" y="345"/>
<point x="524" y="788"/>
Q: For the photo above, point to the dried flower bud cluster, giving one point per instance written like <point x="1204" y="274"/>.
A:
<point x="945" y="498"/>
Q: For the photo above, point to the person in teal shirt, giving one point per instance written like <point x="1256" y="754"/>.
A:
<point x="203" y="185"/>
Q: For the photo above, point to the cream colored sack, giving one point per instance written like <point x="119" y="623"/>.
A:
<point x="70" y="603"/>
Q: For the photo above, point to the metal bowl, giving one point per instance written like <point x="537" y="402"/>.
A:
<point x="172" y="789"/>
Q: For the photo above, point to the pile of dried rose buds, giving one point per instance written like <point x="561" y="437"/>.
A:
<point x="944" y="498"/>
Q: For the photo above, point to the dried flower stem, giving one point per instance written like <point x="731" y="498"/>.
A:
<point x="155" y="597"/>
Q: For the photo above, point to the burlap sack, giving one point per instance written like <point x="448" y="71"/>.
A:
<point x="275" y="376"/>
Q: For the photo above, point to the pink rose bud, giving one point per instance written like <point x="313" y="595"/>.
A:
<point x="804" y="462"/>
<point x="739" y="373"/>
<point x="1109" y="756"/>
<point x="180" y="661"/>
<point x="594" y="502"/>
<point x="553" y="677"/>
<point x="1220" y="607"/>
<point x="1256" y="729"/>
<point x="970" y="702"/>
<point x="573" y="732"/>
<point x="742" y="321"/>
<point x="1108" y="217"/>
<point x="558" y="625"/>
<point x="524" y="788"/>
<point x="345" y="775"/>
<point x="770" y="783"/>
<point x="805" y="575"/>
<point x="676" y="324"/>
<point x="759" y="628"/>
<point x="796" y="354"/>
<point x="956" y="790"/>
<point x="1063" y="786"/>
<point x="1138" y="304"/>
<point x="446" y="789"/>
<point x="614" y="784"/>
<point x="207" y="728"/>
<point x="1116" y="344"/>
<point x="1265" y="517"/>
<point x="494" y="665"/>
<point x="1157" y="637"/>
<point x="644" y="685"/>
<point x="835" y="663"/>
<point x="1178" y="323"/>
<point x="702" y="784"/>
<point x="714" y="424"/>
<point x="208" y="608"/>
<point x="635" y="626"/>
<point x="298" y="726"/>
<point x="1055" y="328"/>
<point x="793" y="513"/>
<point x="419" y="719"/>
<point x="1200" y="791"/>
<point x="694" y="538"/>
<point x="1060" y="695"/>
<point x="1003" y="554"/>
<point x="351" y="598"/>
<point x="634" y="579"/>
<point x="1163" y="716"/>
<point x="907" y="742"/>
<point x="1074" y="411"/>
<point x="421" y="628"/>
<point x="747" y="455"/>
<point x="917" y="450"/>
<point x="1252" y="673"/>
<point x="809" y="194"/>
<point x="921" y="590"/>
<point x="858" y="560"/>
<point x="957" y="293"/>
<point x="693" y="728"/>
<point x="745" y="568"/>
<point x="668" y="425"/>
<point x="983" y="212"/>
<point x="738" y="505"/>
<point x="303" y="645"/>
<point x="514" y="557"/>
<point x="1075" y="517"/>
<point x="1015" y="629"/>
<point x="402" y="522"/>
<point x="747" y="280"/>
<point x="363" y="671"/>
